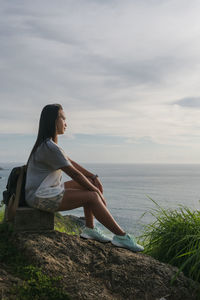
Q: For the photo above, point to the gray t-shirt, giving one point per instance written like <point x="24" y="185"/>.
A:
<point x="44" y="175"/>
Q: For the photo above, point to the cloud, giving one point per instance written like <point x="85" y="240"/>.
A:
<point x="113" y="65"/>
<point x="192" y="102"/>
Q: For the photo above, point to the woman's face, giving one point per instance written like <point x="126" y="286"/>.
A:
<point x="61" y="124"/>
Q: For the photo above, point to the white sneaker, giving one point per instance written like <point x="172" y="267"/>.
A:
<point x="94" y="234"/>
<point x="128" y="242"/>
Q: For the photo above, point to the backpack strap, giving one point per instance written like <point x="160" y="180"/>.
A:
<point x="14" y="200"/>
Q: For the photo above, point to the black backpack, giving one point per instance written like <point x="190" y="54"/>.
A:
<point x="14" y="195"/>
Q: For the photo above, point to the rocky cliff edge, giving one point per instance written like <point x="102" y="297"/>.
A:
<point x="92" y="270"/>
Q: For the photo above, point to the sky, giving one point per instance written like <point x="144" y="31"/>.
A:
<point x="126" y="72"/>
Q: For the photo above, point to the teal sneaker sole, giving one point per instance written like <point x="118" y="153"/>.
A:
<point x="85" y="236"/>
<point x="115" y="243"/>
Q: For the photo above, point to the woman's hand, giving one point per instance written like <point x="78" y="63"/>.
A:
<point x="98" y="184"/>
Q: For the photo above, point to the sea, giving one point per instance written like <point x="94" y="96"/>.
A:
<point x="134" y="191"/>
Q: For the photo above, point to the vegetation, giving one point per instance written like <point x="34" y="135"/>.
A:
<point x="174" y="238"/>
<point x="63" y="224"/>
<point x="1" y="215"/>
<point x="37" y="285"/>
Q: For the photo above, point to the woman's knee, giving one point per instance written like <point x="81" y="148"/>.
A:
<point x="94" y="197"/>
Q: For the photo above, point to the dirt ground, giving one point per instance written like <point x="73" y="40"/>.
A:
<point x="92" y="270"/>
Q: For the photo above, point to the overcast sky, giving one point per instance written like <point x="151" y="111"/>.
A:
<point x="126" y="72"/>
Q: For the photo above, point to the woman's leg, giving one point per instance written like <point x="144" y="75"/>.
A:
<point x="89" y="217"/>
<point x="91" y="200"/>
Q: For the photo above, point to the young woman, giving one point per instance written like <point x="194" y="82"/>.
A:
<point x="45" y="191"/>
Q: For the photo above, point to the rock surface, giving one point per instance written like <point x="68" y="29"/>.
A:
<point x="92" y="270"/>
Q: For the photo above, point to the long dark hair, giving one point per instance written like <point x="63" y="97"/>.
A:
<point x="47" y="125"/>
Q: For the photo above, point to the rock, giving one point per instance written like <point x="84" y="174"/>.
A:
<point x="92" y="270"/>
<point x="31" y="219"/>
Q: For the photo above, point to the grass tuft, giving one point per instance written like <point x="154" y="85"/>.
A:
<point x="174" y="238"/>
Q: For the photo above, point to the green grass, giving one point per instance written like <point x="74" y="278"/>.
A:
<point x="63" y="224"/>
<point x="1" y="215"/>
<point x="174" y="238"/>
<point x="37" y="285"/>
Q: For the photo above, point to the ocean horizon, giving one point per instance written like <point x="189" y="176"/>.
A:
<point x="129" y="188"/>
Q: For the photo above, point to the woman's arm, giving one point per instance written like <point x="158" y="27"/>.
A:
<point x="88" y="174"/>
<point x="81" y="169"/>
